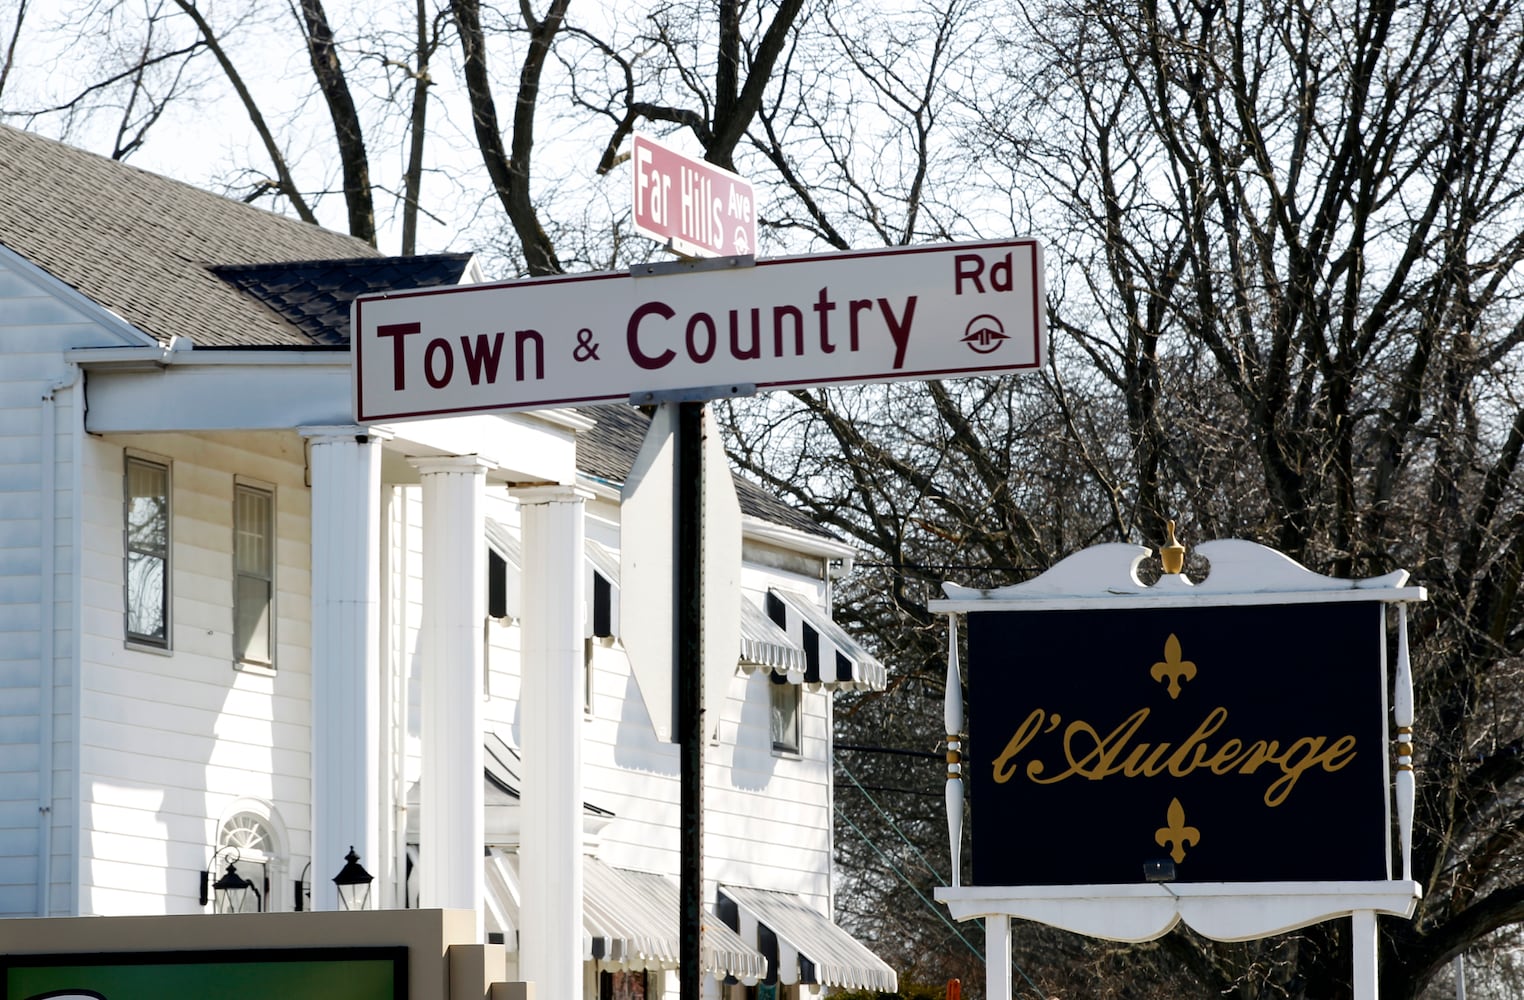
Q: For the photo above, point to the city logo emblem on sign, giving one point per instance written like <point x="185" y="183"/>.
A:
<point x="985" y="334"/>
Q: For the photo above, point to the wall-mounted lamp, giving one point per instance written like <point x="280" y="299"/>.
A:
<point x="1159" y="870"/>
<point x="303" y="890"/>
<point x="353" y="882"/>
<point x="231" y="893"/>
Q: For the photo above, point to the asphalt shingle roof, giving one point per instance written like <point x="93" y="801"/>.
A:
<point x="142" y="245"/>
<point x="314" y="295"/>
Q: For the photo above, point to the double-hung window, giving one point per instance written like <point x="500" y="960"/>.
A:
<point x="783" y="714"/>
<point x="254" y="572"/>
<point x="146" y="517"/>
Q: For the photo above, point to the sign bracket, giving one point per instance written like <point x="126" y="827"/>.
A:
<point x="660" y="268"/>
<point x="700" y="394"/>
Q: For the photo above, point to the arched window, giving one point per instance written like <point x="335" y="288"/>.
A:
<point x="251" y="839"/>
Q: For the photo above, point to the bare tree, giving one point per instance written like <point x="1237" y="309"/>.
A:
<point x="1285" y="302"/>
<point x="349" y="133"/>
<point x="12" y="42"/>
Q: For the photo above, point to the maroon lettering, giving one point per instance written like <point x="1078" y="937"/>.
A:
<point x="650" y="362"/>
<point x="779" y="314"/>
<point x="522" y="339"/>
<point x="970" y="266"/>
<point x="484" y="354"/>
<point x="397" y="331"/>
<point x="853" y="308"/>
<point x="437" y="347"/>
<point x="899" y="329"/>
<point x="697" y="353"/>
<point x="823" y="307"/>
<point x="755" y="350"/>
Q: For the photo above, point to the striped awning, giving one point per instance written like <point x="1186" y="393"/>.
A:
<point x="832" y="658"/>
<point x="629" y="920"/>
<point x="801" y="944"/>
<point x="601" y="597"/>
<point x="765" y="646"/>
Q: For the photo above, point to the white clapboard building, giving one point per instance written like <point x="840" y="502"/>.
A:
<point x="236" y="629"/>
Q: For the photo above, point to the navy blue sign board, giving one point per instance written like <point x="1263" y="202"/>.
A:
<point x="1237" y="744"/>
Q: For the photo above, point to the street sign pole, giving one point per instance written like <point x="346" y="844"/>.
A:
<point x="689" y="446"/>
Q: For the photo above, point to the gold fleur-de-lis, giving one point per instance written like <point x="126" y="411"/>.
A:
<point x="1173" y="667"/>
<point x="1177" y="832"/>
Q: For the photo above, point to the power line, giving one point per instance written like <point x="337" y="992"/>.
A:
<point x="889" y="750"/>
<point x="929" y="866"/>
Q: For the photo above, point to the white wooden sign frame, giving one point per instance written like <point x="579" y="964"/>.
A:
<point x="1242" y="573"/>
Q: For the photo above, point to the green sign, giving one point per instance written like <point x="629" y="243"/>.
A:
<point x="254" y="974"/>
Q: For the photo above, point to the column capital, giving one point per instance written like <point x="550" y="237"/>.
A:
<point x="428" y="465"/>
<point x="541" y="493"/>
<point x="344" y="433"/>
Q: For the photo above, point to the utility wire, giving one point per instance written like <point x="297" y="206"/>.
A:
<point x="929" y="866"/>
<point x="913" y="888"/>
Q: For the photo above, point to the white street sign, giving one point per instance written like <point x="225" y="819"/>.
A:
<point x="648" y="569"/>
<point x="859" y="316"/>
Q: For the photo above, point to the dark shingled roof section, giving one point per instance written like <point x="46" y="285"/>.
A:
<point x="314" y="295"/>
<point x="608" y="451"/>
<point x="142" y="245"/>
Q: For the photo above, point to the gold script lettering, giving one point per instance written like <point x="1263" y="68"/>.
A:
<point x="1090" y="754"/>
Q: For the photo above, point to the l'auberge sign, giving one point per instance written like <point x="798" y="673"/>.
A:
<point x="1243" y="743"/>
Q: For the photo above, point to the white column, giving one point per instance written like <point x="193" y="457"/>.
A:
<point x="1365" y="947"/>
<point x="450" y="819"/>
<point x="346" y="651"/>
<point x="997" y="957"/>
<point x="550" y="709"/>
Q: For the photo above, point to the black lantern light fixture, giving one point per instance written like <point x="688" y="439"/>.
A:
<point x="353" y="882"/>
<point x="231" y="893"/>
<point x="303" y="889"/>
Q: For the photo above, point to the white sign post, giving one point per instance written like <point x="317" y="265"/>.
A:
<point x="872" y="316"/>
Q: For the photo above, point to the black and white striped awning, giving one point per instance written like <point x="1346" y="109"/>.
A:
<point x="832" y="658"/>
<point x="765" y="646"/>
<point x="504" y="581"/>
<point x="791" y="637"/>
<point x="802" y="945"/>
<point x="629" y="920"/>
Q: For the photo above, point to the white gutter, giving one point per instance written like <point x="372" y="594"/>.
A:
<point x="800" y="541"/>
<point x="181" y="353"/>
<point x="48" y="646"/>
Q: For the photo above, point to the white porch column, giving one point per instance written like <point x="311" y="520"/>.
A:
<point x="346" y="651"/>
<point x="997" y="957"/>
<point x="451" y="836"/>
<point x="550" y="709"/>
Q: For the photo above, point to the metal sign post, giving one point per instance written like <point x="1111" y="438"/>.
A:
<point x="690" y="700"/>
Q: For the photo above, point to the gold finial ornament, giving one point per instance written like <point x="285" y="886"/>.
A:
<point x="1173" y="554"/>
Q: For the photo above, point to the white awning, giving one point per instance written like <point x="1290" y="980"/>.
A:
<point x="629" y="920"/>
<point x="801" y="944"/>
<point x="832" y="658"/>
<point x="765" y="646"/>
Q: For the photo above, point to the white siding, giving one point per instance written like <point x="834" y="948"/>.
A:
<point x="767" y="816"/>
<point x="170" y="741"/>
<point x="38" y="321"/>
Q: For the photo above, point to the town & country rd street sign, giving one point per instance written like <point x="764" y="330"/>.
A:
<point x="883" y="315"/>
